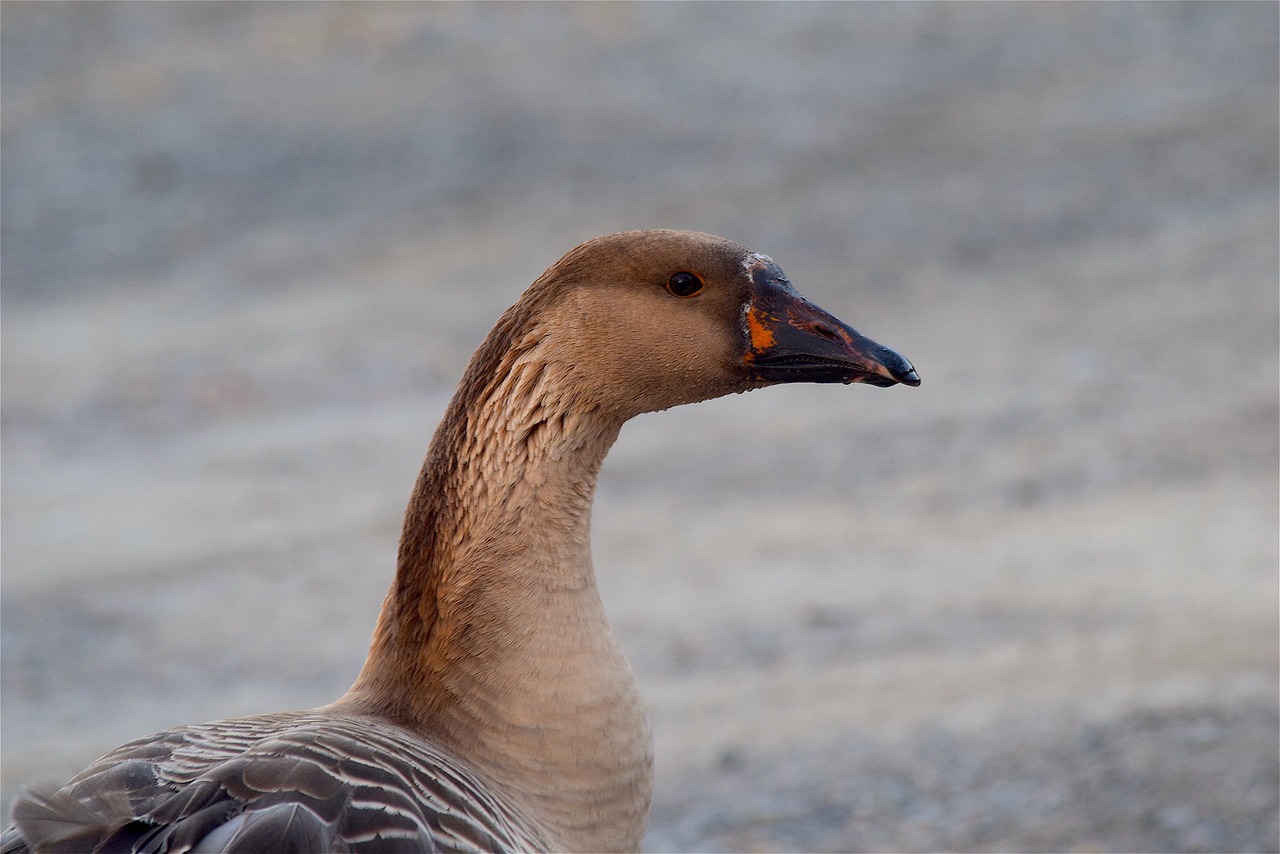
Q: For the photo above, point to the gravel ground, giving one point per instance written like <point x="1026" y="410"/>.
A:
<point x="1032" y="605"/>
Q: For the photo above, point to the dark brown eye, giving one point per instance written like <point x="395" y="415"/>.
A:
<point x="684" y="285"/>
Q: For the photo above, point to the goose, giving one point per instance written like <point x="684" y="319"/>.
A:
<point x="495" y="710"/>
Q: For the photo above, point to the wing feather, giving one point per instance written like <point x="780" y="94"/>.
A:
<point x="294" y="782"/>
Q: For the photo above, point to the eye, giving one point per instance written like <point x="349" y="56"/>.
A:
<point x="684" y="285"/>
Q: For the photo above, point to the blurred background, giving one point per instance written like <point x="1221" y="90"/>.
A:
<point x="1031" y="605"/>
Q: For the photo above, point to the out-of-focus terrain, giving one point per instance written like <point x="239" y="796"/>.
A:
<point x="1031" y="605"/>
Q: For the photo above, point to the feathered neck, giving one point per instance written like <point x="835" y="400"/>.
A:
<point x="492" y="641"/>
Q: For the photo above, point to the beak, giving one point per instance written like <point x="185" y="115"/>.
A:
<point x="791" y="340"/>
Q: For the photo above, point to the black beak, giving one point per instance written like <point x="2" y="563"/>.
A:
<point x="791" y="340"/>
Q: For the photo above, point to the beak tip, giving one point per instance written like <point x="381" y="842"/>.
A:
<point x="898" y="368"/>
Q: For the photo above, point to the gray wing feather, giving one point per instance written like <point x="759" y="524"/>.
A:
<point x="283" y="829"/>
<point x="297" y="782"/>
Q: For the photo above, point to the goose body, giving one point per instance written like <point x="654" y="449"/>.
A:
<point x="495" y="710"/>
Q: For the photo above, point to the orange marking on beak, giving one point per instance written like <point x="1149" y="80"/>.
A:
<point x="761" y="335"/>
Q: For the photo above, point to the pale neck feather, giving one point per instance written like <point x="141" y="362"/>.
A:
<point x="493" y="642"/>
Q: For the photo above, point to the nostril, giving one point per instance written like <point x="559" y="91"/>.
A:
<point x="819" y="328"/>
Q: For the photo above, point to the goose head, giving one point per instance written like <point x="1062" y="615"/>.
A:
<point x="647" y="320"/>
